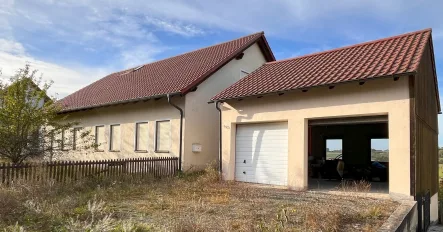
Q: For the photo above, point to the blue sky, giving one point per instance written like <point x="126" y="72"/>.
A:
<point x="75" y="42"/>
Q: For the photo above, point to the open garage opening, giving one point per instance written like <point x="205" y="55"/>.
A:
<point x="349" y="154"/>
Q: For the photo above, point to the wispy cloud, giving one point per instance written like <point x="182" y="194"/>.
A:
<point x="11" y="47"/>
<point x="140" y="55"/>
<point x="179" y="28"/>
<point x="66" y="79"/>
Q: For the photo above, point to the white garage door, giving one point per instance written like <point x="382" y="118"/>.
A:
<point x="261" y="153"/>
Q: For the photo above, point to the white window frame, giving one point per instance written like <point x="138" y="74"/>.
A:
<point x="110" y="137"/>
<point x="62" y="142"/>
<point x="135" y="136"/>
<point x="95" y="137"/>
<point x="170" y="136"/>
<point x="74" y="138"/>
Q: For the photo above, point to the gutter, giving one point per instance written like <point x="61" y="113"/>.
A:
<point x="217" y="106"/>
<point x="181" y="131"/>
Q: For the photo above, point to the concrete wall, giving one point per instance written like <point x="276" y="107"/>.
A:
<point x="202" y="119"/>
<point x="378" y="97"/>
<point x="127" y="115"/>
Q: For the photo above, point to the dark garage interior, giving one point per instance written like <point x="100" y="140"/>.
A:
<point x="346" y="151"/>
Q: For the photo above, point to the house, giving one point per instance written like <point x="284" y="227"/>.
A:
<point x="277" y="121"/>
<point x="160" y="108"/>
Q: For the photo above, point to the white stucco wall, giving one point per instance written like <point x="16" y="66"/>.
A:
<point x="378" y="97"/>
<point x="127" y="115"/>
<point x="202" y="119"/>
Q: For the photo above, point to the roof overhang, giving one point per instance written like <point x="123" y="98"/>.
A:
<point x="304" y="89"/>
<point x="118" y="103"/>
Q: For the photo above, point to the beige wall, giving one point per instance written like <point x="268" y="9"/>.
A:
<point x="127" y="115"/>
<point x="378" y="97"/>
<point x="202" y="118"/>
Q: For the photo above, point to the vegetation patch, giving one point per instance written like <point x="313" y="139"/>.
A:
<point x="189" y="202"/>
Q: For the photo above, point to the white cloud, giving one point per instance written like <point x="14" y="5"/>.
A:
<point x="12" y="47"/>
<point x="66" y="79"/>
<point x="140" y="55"/>
<point x="187" y="30"/>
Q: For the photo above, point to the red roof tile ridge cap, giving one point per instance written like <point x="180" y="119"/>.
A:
<point x="167" y="58"/>
<point x="351" y="46"/>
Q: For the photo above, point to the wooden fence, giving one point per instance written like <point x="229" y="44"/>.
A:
<point x="64" y="171"/>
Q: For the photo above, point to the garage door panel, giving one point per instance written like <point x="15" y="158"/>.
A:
<point x="264" y="147"/>
<point x="263" y="180"/>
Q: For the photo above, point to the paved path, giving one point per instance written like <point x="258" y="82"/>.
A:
<point x="436" y="228"/>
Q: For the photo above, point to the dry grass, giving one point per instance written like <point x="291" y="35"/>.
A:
<point x="190" y="202"/>
<point x="354" y="186"/>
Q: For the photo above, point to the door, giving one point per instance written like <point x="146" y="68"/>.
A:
<point x="261" y="153"/>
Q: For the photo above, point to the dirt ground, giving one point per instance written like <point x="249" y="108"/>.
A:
<point x="195" y="202"/>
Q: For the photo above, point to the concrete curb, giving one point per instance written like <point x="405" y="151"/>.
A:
<point x="404" y="218"/>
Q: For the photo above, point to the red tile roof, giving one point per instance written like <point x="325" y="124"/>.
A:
<point x="175" y="75"/>
<point x="386" y="57"/>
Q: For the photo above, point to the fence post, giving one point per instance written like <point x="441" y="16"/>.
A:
<point x="3" y="172"/>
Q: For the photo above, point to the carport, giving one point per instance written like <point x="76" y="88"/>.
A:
<point x="359" y="144"/>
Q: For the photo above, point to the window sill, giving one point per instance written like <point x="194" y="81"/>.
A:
<point x="114" y="150"/>
<point x="99" y="151"/>
<point x="161" y="151"/>
<point x="141" y="151"/>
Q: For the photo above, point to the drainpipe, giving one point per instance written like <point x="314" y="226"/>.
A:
<point x="181" y="131"/>
<point x="217" y="106"/>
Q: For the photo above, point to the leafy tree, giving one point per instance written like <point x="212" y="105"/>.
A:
<point x="30" y="125"/>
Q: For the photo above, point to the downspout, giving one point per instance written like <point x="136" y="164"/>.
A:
<point x="181" y="131"/>
<point x="217" y="106"/>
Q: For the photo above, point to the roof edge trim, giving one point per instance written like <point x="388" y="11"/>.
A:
<point x="117" y="103"/>
<point x="311" y="87"/>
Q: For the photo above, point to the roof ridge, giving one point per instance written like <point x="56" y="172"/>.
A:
<point x="352" y="46"/>
<point x="232" y="40"/>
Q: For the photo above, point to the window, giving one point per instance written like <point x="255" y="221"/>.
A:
<point x="141" y="136"/>
<point x="100" y="138"/>
<point x="114" y="138"/>
<point x="65" y="139"/>
<point x="163" y="136"/>
<point x="243" y="73"/>
<point x="380" y="150"/>
<point x="56" y="141"/>
<point x="334" y="148"/>
<point x="75" y="137"/>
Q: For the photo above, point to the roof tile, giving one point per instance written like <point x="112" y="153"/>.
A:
<point x="172" y="75"/>
<point x="384" y="57"/>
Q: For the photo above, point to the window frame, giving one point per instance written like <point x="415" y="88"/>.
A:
<point x="370" y="144"/>
<point x="155" y="136"/>
<point x="111" y="135"/>
<point x="74" y="137"/>
<point x="326" y="144"/>
<point x="135" y="137"/>
<point x="95" y="137"/>
<point x="62" y="143"/>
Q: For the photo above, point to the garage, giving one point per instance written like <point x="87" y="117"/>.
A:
<point x="363" y="114"/>
<point x="359" y="144"/>
<point x="261" y="153"/>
